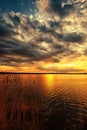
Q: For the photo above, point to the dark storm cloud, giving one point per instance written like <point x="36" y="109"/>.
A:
<point x="45" y="29"/>
<point x="16" y="20"/>
<point x="74" y="37"/>
<point x="44" y="39"/>
<point x="4" y="32"/>
<point x="71" y="37"/>
<point x="15" y="48"/>
<point x="55" y="24"/>
<point x="62" y="7"/>
<point x="56" y="6"/>
<point x="6" y="27"/>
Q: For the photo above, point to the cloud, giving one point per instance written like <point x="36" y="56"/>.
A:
<point x="74" y="37"/>
<point x="63" y="70"/>
<point x="62" y="7"/>
<point x="4" y="32"/>
<point x="46" y="36"/>
<point x="61" y="10"/>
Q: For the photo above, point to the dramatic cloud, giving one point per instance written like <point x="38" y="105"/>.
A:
<point x="62" y="7"/>
<point x="55" y="34"/>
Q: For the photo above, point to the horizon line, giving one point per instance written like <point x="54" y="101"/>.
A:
<point x="41" y="73"/>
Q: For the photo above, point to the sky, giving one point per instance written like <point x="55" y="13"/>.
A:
<point x="43" y="36"/>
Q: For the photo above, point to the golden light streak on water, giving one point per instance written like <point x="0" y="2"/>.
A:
<point x="49" y="81"/>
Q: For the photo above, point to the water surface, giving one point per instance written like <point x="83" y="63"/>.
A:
<point x="43" y="102"/>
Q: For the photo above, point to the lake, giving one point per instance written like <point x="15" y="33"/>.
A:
<point x="43" y="102"/>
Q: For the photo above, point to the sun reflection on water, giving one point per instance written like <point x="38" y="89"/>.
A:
<point x="49" y="81"/>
